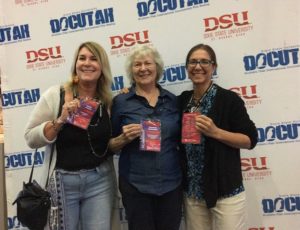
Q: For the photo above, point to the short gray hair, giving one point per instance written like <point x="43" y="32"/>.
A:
<point x="142" y="51"/>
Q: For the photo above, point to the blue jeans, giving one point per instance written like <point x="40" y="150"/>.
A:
<point x="89" y="197"/>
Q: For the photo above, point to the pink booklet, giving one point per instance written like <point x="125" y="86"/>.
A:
<point x="84" y="113"/>
<point x="151" y="135"/>
<point x="189" y="133"/>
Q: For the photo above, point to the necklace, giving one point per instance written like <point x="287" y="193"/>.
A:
<point x="89" y="136"/>
<point x="99" y="118"/>
<point x="92" y="148"/>
<point x="195" y="106"/>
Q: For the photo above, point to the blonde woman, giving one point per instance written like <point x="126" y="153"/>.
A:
<point x="83" y="183"/>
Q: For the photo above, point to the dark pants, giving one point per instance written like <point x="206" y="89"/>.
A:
<point x="151" y="212"/>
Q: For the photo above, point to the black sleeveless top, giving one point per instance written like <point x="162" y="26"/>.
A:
<point x="84" y="149"/>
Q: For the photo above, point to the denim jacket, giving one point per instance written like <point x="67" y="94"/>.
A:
<point x="150" y="172"/>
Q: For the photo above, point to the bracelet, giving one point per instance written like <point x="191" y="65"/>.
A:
<point x="60" y="121"/>
<point x="54" y="124"/>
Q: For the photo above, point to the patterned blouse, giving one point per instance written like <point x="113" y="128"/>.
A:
<point x="195" y="152"/>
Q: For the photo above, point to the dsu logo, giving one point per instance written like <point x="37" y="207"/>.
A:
<point x="43" y="54"/>
<point x="254" y="163"/>
<point x="173" y="74"/>
<point x="129" y="39"/>
<point x="281" y="204"/>
<point x="246" y="92"/>
<point x="271" y="59"/>
<point x="280" y="132"/>
<point x="226" y="21"/>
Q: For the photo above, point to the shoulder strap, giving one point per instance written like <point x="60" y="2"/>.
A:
<point x="31" y="173"/>
<point x="61" y="102"/>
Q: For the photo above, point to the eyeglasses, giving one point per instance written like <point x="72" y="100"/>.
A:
<point x="202" y="62"/>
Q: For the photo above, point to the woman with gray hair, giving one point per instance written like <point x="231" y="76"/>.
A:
<point x="146" y="127"/>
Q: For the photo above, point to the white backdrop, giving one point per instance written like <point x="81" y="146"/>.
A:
<point x="257" y="45"/>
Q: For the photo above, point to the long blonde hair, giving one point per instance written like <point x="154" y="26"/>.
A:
<point x="103" y="89"/>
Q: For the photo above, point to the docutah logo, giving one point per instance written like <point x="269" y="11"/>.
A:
<point x="87" y="19"/>
<point x="277" y="133"/>
<point x="13" y="34"/>
<point x="153" y="8"/>
<point x="281" y="205"/>
<point x="121" y="44"/>
<point x="13" y="223"/>
<point x="117" y="84"/>
<point x="20" y="97"/>
<point x="227" y="26"/>
<point x="272" y="59"/>
<point x="174" y="74"/>
<point x="20" y="160"/>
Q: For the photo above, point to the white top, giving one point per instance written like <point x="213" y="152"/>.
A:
<point x="45" y="110"/>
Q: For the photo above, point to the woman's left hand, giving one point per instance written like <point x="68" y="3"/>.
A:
<point x="206" y="126"/>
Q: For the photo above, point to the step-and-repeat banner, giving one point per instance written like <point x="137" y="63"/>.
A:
<point x="257" y="46"/>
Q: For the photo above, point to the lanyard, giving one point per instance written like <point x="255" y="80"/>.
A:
<point x="195" y="107"/>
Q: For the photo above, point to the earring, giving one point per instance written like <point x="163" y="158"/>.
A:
<point x="75" y="80"/>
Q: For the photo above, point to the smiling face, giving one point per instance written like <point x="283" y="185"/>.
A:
<point x="88" y="68"/>
<point x="200" y="74"/>
<point x="144" y="71"/>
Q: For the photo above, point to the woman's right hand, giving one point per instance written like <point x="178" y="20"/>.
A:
<point x="124" y="90"/>
<point x="69" y="108"/>
<point x="131" y="131"/>
<point x="53" y="127"/>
